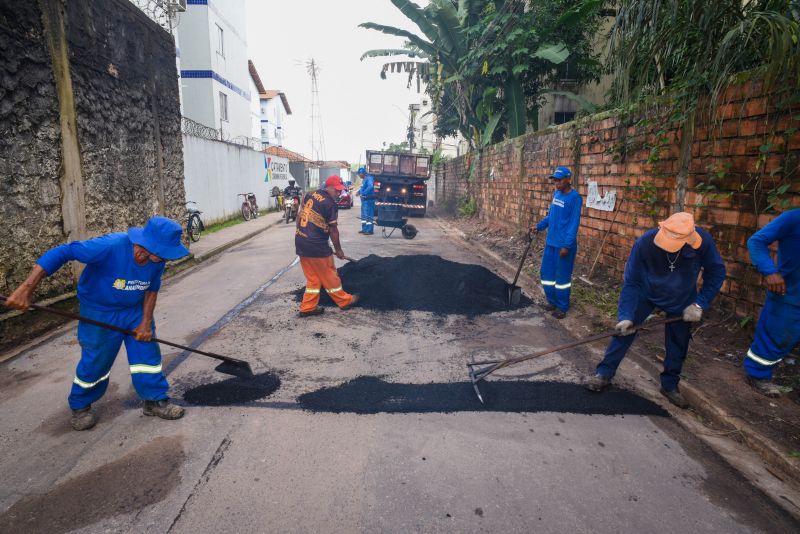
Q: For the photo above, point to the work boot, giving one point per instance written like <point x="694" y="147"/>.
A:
<point x="548" y="307"/>
<point x="353" y="302"/>
<point x="765" y="387"/>
<point x="83" y="419"/>
<point x="676" y="398"/>
<point x="315" y="311"/>
<point x="163" y="409"/>
<point x="597" y="383"/>
<point x="361" y="231"/>
<point x="558" y="314"/>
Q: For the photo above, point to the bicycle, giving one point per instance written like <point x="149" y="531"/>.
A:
<point x="194" y="224"/>
<point x="249" y="206"/>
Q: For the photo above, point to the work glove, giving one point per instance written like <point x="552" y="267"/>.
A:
<point x="625" y="328"/>
<point x="692" y="313"/>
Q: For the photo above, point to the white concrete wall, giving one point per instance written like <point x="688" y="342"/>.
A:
<point x="215" y="172"/>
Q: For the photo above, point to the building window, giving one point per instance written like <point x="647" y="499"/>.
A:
<point x="223" y="106"/>
<point x="562" y="117"/>
<point x="220" y="41"/>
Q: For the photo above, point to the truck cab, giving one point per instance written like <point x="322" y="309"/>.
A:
<point x="400" y="181"/>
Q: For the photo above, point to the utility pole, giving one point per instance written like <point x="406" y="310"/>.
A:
<point x="413" y="109"/>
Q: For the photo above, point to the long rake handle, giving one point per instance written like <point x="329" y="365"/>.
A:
<point x="483" y="373"/>
<point x="524" y="257"/>
<point x="76" y="317"/>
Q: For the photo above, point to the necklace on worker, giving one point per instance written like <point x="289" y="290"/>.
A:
<point x="672" y="262"/>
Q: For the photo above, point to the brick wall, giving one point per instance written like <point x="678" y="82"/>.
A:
<point x="752" y="149"/>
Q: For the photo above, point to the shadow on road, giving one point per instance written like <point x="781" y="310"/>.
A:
<point x="371" y="395"/>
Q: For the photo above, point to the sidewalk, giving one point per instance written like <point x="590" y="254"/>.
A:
<point x="214" y="243"/>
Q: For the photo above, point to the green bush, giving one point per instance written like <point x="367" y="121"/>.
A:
<point x="467" y="207"/>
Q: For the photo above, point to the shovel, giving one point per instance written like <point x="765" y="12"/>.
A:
<point x="229" y="366"/>
<point x="476" y="375"/>
<point x="513" y="290"/>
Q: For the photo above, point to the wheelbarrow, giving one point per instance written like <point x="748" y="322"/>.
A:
<point x="391" y="216"/>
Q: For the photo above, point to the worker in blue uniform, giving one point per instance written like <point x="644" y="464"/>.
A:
<point x="558" y="260"/>
<point x="662" y="272"/>
<point x="367" y="194"/>
<point x="119" y="285"/>
<point x="778" y="328"/>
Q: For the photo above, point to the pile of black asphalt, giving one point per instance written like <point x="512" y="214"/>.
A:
<point x="423" y="283"/>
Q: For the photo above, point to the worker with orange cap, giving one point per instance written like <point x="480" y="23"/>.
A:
<point x="662" y="272"/>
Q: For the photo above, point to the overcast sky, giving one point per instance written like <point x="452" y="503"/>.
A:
<point x="359" y="110"/>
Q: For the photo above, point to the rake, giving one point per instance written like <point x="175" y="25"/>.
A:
<point x="476" y="375"/>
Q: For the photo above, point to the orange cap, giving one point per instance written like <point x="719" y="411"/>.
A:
<point x="676" y="231"/>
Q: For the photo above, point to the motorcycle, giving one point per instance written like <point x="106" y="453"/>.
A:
<point x="291" y="207"/>
<point x="345" y="200"/>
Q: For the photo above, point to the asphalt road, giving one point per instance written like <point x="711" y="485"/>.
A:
<point x="372" y="428"/>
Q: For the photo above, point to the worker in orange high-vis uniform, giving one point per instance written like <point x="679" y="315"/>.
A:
<point x="316" y="223"/>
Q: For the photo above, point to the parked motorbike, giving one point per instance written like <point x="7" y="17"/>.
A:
<point x="249" y="206"/>
<point x="291" y="207"/>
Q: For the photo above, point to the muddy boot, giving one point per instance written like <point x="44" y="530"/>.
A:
<point x="315" y="311"/>
<point x="597" y="383"/>
<point x="548" y="307"/>
<point x="558" y="314"/>
<point x="353" y="302"/>
<point x="676" y="398"/>
<point x="83" y="419"/>
<point x="163" y="409"/>
<point x="765" y="387"/>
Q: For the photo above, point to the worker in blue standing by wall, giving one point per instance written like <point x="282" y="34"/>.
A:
<point x="778" y="328"/>
<point x="367" y="194"/>
<point x="558" y="260"/>
<point x="118" y="286"/>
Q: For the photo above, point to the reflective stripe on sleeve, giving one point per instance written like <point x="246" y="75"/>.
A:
<point x="759" y="359"/>
<point x="334" y="290"/>
<point x="564" y="286"/>
<point x="142" y="368"/>
<point x="548" y="282"/>
<point x="87" y="385"/>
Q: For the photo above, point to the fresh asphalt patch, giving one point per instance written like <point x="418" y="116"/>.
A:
<point x="371" y="395"/>
<point x="423" y="283"/>
<point x="232" y="391"/>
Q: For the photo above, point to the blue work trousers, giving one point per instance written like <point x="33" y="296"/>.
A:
<point x="556" y="275"/>
<point x="99" y="348"/>
<point x="777" y="332"/>
<point x="676" y="342"/>
<point x="367" y="214"/>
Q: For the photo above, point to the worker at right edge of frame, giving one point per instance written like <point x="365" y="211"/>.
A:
<point x="662" y="272"/>
<point x="778" y="328"/>
<point x="561" y="222"/>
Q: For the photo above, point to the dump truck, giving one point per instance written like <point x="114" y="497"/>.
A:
<point x="400" y="182"/>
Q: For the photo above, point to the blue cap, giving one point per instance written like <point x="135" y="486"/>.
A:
<point x="361" y="170"/>
<point x="161" y="237"/>
<point x="560" y="173"/>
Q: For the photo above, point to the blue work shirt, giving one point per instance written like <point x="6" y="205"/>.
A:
<point x="648" y="276"/>
<point x="367" y="190"/>
<point x="562" y="220"/>
<point x="785" y="229"/>
<point x="112" y="280"/>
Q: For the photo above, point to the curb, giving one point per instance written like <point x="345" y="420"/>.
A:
<point x="770" y="453"/>
<point x="172" y="270"/>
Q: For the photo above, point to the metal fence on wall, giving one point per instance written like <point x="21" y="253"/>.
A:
<point x="197" y="129"/>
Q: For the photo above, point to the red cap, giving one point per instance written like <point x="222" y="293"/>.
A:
<point x="334" y="181"/>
